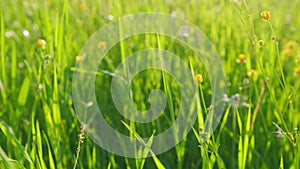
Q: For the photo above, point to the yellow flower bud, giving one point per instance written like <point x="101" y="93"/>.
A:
<point x="241" y="58"/>
<point x="41" y="43"/>
<point x="199" y="78"/>
<point x="265" y="15"/>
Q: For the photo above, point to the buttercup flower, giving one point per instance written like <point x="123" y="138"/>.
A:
<point x="252" y="72"/>
<point x="241" y="58"/>
<point x="287" y="52"/>
<point x="41" y="43"/>
<point x="297" y="71"/>
<point x="265" y="15"/>
<point x="298" y="59"/>
<point x="82" y="6"/>
<point x="199" y="78"/>
<point x="79" y="58"/>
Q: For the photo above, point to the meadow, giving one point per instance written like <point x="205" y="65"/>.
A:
<point x="257" y="41"/>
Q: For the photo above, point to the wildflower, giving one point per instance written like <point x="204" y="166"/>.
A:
<point x="9" y="33"/>
<point x="265" y="15"/>
<point x="40" y="86"/>
<point x="290" y="48"/>
<point x="226" y="99"/>
<point x="298" y="59"/>
<point x="41" y="43"/>
<point x="21" y="65"/>
<point x="26" y="33"/>
<point x="241" y="58"/>
<point x="110" y="17"/>
<point x="292" y="45"/>
<point x="244" y="104"/>
<point x="235" y="98"/>
<point x="252" y="72"/>
<point x="82" y="6"/>
<point x="79" y="58"/>
<point x="297" y="71"/>
<point x="89" y="104"/>
<point x="246" y="81"/>
<point x="199" y="78"/>
<point x="102" y="45"/>
<point x="287" y="52"/>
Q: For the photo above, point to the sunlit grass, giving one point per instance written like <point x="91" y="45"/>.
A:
<point x="258" y="43"/>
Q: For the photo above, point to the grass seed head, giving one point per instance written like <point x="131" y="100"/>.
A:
<point x="260" y="43"/>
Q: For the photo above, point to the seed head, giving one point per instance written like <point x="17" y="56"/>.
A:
<point x="260" y="43"/>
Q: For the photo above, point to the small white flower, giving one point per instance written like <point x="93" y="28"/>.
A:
<point x="110" y="17"/>
<point x="40" y="86"/>
<point x="26" y="33"/>
<point x="21" y="65"/>
<point x="9" y="33"/>
<point x="89" y="104"/>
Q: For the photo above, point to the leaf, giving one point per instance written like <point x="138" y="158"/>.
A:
<point x="9" y="133"/>
<point x="24" y="91"/>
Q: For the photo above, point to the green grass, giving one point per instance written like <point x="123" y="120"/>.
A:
<point x="38" y="124"/>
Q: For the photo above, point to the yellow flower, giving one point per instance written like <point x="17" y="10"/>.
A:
<point x="298" y="59"/>
<point x="297" y="71"/>
<point x="241" y="58"/>
<point x="252" y="72"/>
<point x="287" y="52"/>
<point x="265" y="15"/>
<point x="82" y="6"/>
<point x="79" y="58"/>
<point x="290" y="48"/>
<point x="199" y="78"/>
<point x="102" y="45"/>
<point x="41" y="43"/>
